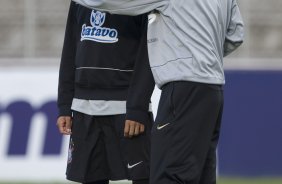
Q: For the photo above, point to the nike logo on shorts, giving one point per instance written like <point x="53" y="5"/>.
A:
<point x="159" y="127"/>
<point x="134" y="165"/>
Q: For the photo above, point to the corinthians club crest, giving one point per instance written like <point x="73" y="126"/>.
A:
<point x="97" y="18"/>
<point x="96" y="32"/>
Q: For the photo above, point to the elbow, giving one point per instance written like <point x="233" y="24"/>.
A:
<point x="230" y="46"/>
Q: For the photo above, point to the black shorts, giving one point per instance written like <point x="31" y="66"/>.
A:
<point x="185" y="134"/>
<point x="98" y="150"/>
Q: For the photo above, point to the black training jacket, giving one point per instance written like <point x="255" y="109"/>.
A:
<point x="105" y="57"/>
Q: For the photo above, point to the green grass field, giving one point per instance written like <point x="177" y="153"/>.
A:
<point x="250" y="181"/>
<point x="220" y="181"/>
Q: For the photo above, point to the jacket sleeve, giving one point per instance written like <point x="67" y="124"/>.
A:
<point x="235" y="30"/>
<point x="67" y="66"/>
<point x="125" y="7"/>
<point x="142" y="83"/>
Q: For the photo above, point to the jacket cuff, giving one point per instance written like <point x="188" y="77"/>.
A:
<point x="65" y="111"/>
<point x="137" y="115"/>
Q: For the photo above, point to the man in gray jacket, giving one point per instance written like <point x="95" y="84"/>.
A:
<point x="187" y="40"/>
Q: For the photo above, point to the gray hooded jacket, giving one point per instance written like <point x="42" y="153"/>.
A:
<point x="187" y="39"/>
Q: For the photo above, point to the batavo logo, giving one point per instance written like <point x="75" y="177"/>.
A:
<point x="96" y="32"/>
<point x="21" y="113"/>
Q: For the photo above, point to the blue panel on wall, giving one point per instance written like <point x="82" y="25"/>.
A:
<point x="251" y="136"/>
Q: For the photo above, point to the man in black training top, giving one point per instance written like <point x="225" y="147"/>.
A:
<point x="97" y="78"/>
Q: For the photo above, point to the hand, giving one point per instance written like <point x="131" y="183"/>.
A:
<point x="64" y="124"/>
<point x="133" y="128"/>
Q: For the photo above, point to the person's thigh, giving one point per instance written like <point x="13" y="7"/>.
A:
<point x="182" y="132"/>
<point x="87" y="160"/>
